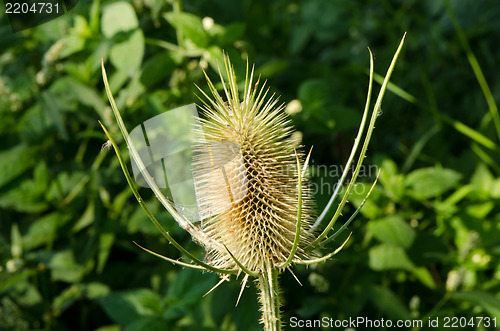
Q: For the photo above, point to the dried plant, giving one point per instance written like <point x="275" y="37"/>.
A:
<point x="250" y="188"/>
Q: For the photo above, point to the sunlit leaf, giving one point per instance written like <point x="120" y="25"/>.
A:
<point x="392" y="230"/>
<point x="127" y="55"/>
<point x="190" y="26"/>
<point x="429" y="182"/>
<point x="386" y="257"/>
<point x="118" y="17"/>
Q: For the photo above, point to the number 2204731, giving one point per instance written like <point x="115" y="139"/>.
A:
<point x="32" y="8"/>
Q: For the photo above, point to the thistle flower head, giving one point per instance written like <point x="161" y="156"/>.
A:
<point x="247" y="178"/>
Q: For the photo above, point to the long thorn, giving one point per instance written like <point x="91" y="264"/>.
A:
<point x="243" y="285"/>
<point x="294" y="276"/>
<point x="224" y="279"/>
<point x="371" y="126"/>
<point x="354" y="149"/>
<point x="299" y="215"/>
<point x="153" y="218"/>
<point x="183" y="264"/>
<point x="245" y="269"/>
<point x="326" y="257"/>
<point x="346" y="224"/>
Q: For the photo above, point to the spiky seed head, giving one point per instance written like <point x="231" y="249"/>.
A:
<point x="246" y="177"/>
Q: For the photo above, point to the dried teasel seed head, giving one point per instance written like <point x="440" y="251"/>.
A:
<point x="246" y="177"/>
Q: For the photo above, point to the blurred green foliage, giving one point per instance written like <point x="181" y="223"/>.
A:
<point x="426" y="244"/>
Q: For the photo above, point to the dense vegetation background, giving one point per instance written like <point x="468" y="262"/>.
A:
<point x="426" y="245"/>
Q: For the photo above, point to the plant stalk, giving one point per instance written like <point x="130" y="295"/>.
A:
<point x="269" y="298"/>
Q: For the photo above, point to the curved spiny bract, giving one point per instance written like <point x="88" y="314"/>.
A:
<point x="246" y="179"/>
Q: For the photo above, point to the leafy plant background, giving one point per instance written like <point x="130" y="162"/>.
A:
<point x="427" y="243"/>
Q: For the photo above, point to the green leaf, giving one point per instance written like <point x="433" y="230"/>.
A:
<point x="189" y="284"/>
<point x="462" y="236"/>
<point x="75" y="40"/>
<point x="150" y="323"/>
<point x="392" y="230"/>
<point x="117" y="80"/>
<point x="30" y="126"/>
<point x="156" y="6"/>
<point x="451" y="204"/>
<point x="185" y="291"/>
<point x="428" y="249"/>
<point x="41" y="231"/>
<point x="66" y="298"/>
<point x="41" y="177"/>
<point x="87" y="96"/>
<point x="488" y="301"/>
<point x="65" y="183"/>
<point x="106" y="241"/>
<point x="312" y="94"/>
<point x="24" y="292"/>
<point x="385" y="257"/>
<point x="62" y="265"/>
<point x="95" y="290"/>
<point x="86" y="218"/>
<point x="127" y="55"/>
<point x="471" y="133"/>
<point x="429" y="182"/>
<point x="14" y="280"/>
<point x="276" y="67"/>
<point x="15" y="161"/>
<point x="75" y="292"/>
<point x="495" y="189"/>
<point x="73" y="44"/>
<point x="392" y="181"/>
<point x="118" y="17"/>
<point x="24" y="197"/>
<point x="54" y="112"/>
<point x="372" y="207"/>
<point x="424" y="275"/>
<point x="482" y="180"/>
<point x="190" y="26"/>
<point x="228" y="34"/>
<point x="157" y="68"/>
<point x="109" y="328"/>
<point x="131" y="92"/>
<point x="480" y="210"/>
<point x="128" y="306"/>
<point x="388" y="302"/>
